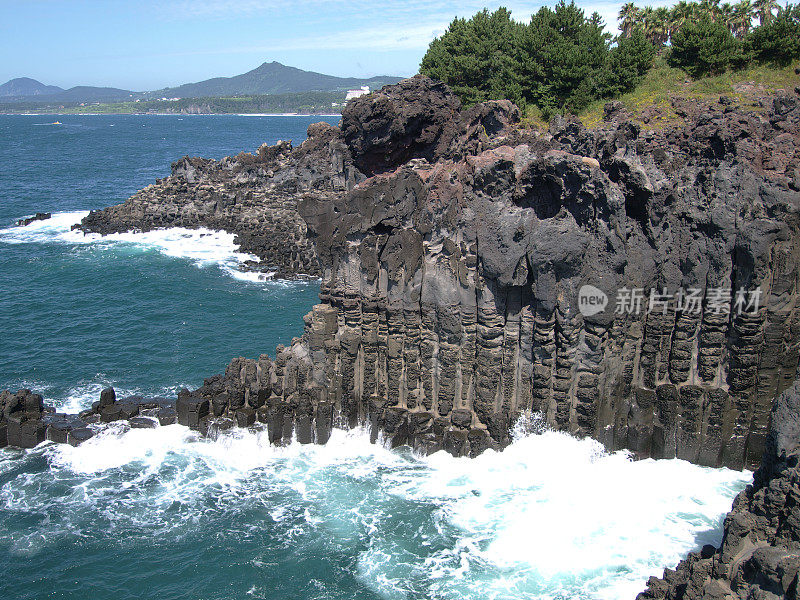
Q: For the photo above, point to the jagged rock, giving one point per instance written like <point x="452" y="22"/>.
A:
<point x="39" y="216"/>
<point x="251" y="196"/>
<point x="760" y="552"/>
<point x="416" y="118"/>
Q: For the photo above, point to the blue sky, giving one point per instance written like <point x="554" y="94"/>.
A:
<point x="151" y="44"/>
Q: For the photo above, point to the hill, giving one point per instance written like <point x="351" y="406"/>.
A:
<point x="268" y="79"/>
<point x="25" y="87"/>
<point x="88" y="93"/>
<point x="272" y="78"/>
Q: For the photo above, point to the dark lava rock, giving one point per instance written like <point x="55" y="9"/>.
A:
<point x="167" y="416"/>
<point x="107" y="396"/>
<point x="143" y="423"/>
<point x="77" y="436"/>
<point x="245" y="417"/>
<point x="191" y="409"/>
<point x="760" y="552"/>
<point x="39" y="216"/>
<point x="416" y="118"/>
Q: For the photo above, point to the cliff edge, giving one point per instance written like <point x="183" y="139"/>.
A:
<point x="456" y="251"/>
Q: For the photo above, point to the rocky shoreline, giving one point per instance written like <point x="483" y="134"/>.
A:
<point x="453" y="247"/>
<point x="760" y="552"/>
<point x="253" y="196"/>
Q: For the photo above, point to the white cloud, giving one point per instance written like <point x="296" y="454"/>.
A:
<point x="407" y="25"/>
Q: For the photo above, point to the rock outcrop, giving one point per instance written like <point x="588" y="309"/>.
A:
<point x="455" y="248"/>
<point x="760" y="552"/>
<point x="253" y="196"/>
<point x="39" y="216"/>
<point x="25" y="422"/>
<point x="451" y="278"/>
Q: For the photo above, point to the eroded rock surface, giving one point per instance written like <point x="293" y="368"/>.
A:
<point x="251" y="195"/>
<point x="760" y="552"/>
<point x="453" y="244"/>
<point x="450" y="288"/>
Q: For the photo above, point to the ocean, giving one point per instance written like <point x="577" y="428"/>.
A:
<point x="163" y="514"/>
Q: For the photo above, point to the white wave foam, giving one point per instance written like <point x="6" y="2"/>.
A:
<point x="56" y="228"/>
<point x="204" y="247"/>
<point x="549" y="517"/>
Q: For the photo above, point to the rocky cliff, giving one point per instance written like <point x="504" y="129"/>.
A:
<point x="253" y="196"/>
<point x="451" y="277"/>
<point x="760" y="552"/>
<point x="454" y="245"/>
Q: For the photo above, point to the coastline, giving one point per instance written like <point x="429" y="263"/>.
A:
<point x="168" y="114"/>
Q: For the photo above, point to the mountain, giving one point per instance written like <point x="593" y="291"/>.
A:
<point x="25" y="86"/>
<point x="269" y="78"/>
<point x="25" y="89"/>
<point x="88" y="93"/>
<point x="273" y="78"/>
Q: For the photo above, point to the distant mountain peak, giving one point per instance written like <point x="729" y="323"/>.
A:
<point x="25" y="86"/>
<point x="272" y="77"/>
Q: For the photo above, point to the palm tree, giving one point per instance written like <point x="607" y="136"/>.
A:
<point x="742" y="19"/>
<point x="681" y="12"/>
<point x="711" y="8"/>
<point x="661" y="25"/>
<point x="656" y="23"/>
<point x="629" y="16"/>
<point x="765" y="10"/>
<point x="726" y="15"/>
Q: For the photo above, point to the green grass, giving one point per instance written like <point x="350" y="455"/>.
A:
<point x="650" y="103"/>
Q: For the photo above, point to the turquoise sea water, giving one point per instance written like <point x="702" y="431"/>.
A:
<point x="162" y="514"/>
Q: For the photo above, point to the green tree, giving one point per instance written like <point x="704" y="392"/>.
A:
<point x="629" y="18"/>
<point x="704" y="47"/>
<point x="627" y="64"/>
<point x="476" y="58"/>
<point x="562" y="55"/>
<point x="777" y="41"/>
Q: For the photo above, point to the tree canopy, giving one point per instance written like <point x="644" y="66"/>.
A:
<point x="561" y="60"/>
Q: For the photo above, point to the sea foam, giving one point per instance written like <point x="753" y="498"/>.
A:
<point x="204" y="247"/>
<point x="550" y="516"/>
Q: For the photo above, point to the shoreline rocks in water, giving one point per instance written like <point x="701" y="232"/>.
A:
<point x="253" y="196"/>
<point x="37" y="217"/>
<point x="760" y="552"/>
<point x="452" y="245"/>
<point x="25" y="422"/>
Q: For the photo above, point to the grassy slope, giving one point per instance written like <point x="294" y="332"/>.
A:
<point x="649" y="103"/>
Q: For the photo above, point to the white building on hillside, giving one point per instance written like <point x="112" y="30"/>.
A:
<point x="357" y="93"/>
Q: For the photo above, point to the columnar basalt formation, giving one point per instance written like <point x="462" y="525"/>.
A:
<point x="451" y="277"/>
<point x="453" y="244"/>
<point x="760" y="552"/>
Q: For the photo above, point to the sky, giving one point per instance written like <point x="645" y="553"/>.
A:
<point x="150" y="44"/>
